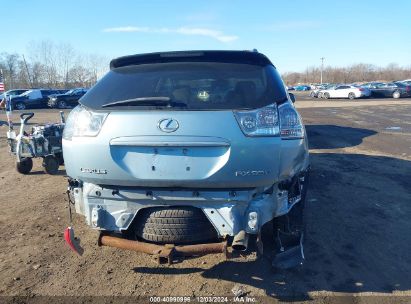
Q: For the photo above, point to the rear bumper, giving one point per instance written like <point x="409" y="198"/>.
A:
<point x="229" y="210"/>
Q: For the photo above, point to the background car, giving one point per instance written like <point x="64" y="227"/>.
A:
<point x="13" y="93"/>
<point x="69" y="98"/>
<point x="317" y="91"/>
<point x="302" y="88"/>
<point x="35" y="98"/>
<point x="391" y="89"/>
<point x="406" y="82"/>
<point x="370" y="85"/>
<point x="346" y="91"/>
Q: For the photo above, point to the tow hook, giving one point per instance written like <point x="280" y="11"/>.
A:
<point x="72" y="241"/>
<point x="69" y="236"/>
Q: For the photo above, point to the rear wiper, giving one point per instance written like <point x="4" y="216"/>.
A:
<point x="146" y="101"/>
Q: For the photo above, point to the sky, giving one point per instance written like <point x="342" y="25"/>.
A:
<point x="294" y="34"/>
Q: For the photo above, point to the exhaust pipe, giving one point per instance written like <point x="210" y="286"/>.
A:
<point x="165" y="253"/>
<point x="240" y="241"/>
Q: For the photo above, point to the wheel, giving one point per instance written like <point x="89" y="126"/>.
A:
<point x="20" y="106"/>
<point x="351" y="96"/>
<point x="396" y="95"/>
<point x="174" y="225"/>
<point x="61" y="104"/>
<point x="326" y="95"/>
<point x="25" y="165"/>
<point x="51" y="164"/>
<point x="293" y="222"/>
<point x="60" y="158"/>
<point x="312" y="94"/>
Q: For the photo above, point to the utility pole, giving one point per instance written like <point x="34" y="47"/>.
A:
<point x="322" y="67"/>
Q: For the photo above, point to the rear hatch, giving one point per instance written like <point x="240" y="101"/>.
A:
<point x="179" y="124"/>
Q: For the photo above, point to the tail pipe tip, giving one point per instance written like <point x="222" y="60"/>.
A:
<point x="240" y="241"/>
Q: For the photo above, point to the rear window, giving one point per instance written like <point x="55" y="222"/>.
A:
<point x="196" y="85"/>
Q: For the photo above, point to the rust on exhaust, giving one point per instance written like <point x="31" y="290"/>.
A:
<point x="164" y="253"/>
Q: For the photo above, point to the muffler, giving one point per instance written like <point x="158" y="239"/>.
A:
<point x="240" y="241"/>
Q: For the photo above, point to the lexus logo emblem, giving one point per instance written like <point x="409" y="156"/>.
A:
<point x="168" y="125"/>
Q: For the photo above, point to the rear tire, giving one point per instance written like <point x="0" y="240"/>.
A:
<point x="20" y="106"/>
<point x="312" y="94"/>
<point x="25" y="165"/>
<point x="326" y="95"/>
<point x="396" y="95"/>
<point x="60" y="158"/>
<point x="174" y="225"/>
<point x="51" y="165"/>
<point x="351" y="96"/>
<point x="61" y="104"/>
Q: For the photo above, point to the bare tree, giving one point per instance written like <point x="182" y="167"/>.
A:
<point x="65" y="57"/>
<point x="10" y="66"/>
<point x="355" y="73"/>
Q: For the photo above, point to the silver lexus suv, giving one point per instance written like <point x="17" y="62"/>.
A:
<point x="189" y="148"/>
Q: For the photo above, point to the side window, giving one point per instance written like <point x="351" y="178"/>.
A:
<point x="342" y="87"/>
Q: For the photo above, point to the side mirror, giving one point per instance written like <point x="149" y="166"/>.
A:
<point x="292" y="97"/>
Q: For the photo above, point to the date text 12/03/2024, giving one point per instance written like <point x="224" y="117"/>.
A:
<point x="203" y="299"/>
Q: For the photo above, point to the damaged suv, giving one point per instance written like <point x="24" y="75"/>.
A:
<point x="187" y="152"/>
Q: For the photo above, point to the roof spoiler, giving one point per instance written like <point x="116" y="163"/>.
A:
<point x="247" y="57"/>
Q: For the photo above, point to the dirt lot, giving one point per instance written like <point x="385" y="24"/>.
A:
<point x="358" y="225"/>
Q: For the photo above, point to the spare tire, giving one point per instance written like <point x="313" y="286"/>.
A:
<point x="174" y="225"/>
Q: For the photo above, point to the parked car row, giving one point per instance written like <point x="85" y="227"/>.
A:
<point x="299" y="88"/>
<point x="397" y="89"/>
<point x="391" y="89"/>
<point x="42" y="98"/>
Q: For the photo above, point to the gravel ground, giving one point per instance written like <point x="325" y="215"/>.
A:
<point x="358" y="229"/>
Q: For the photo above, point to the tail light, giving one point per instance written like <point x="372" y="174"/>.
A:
<point x="361" y="89"/>
<point x="408" y="88"/>
<point x="260" y="122"/>
<point x="82" y="122"/>
<point x="291" y="126"/>
<point x="281" y="121"/>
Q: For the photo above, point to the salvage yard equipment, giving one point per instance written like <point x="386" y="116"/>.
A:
<point x="44" y="141"/>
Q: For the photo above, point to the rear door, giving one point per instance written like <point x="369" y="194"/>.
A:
<point x="43" y="101"/>
<point x="377" y="90"/>
<point x="339" y="92"/>
<point x="387" y="89"/>
<point x="73" y="98"/>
